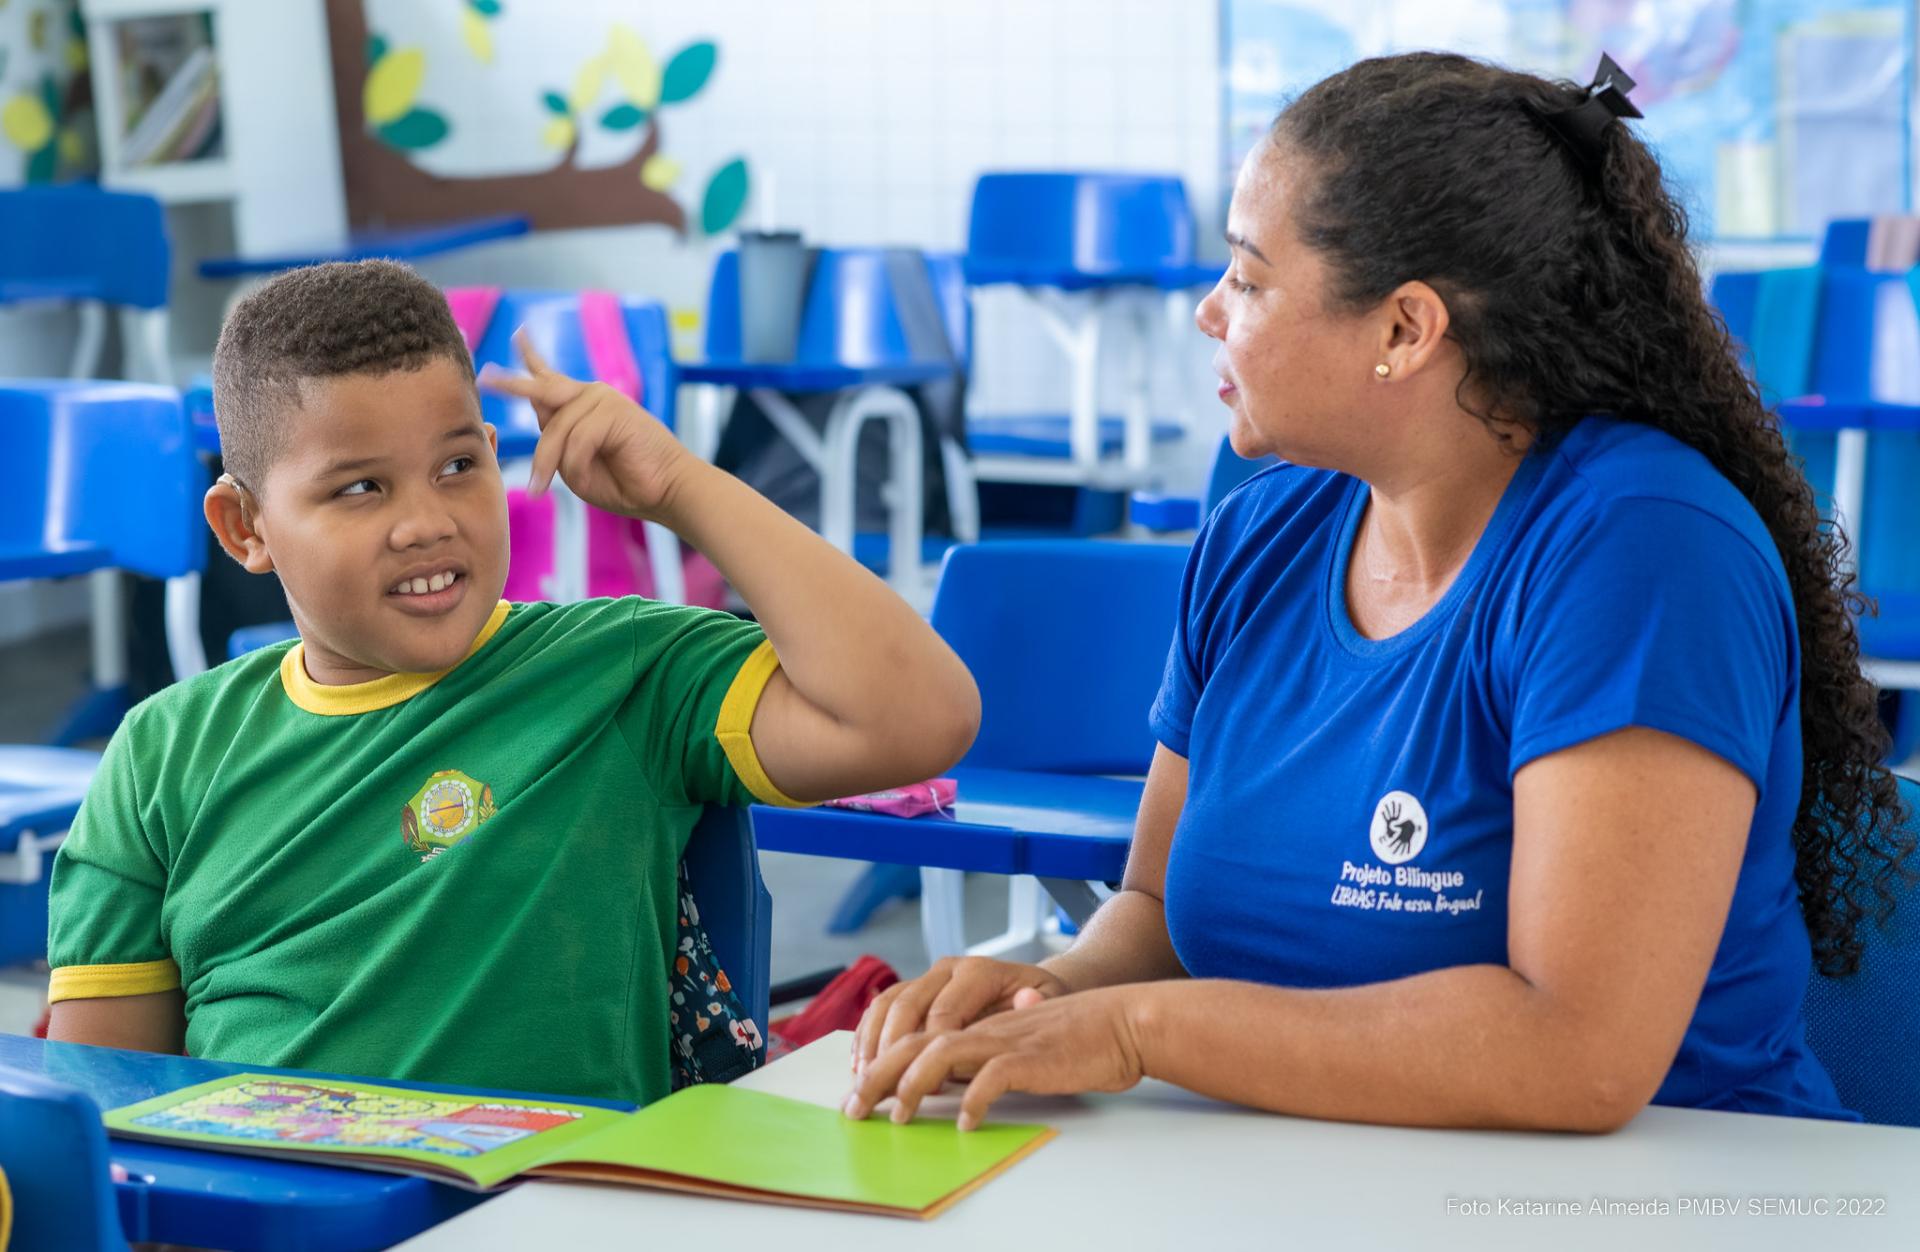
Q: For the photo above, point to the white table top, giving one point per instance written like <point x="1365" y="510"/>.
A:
<point x="1159" y="1167"/>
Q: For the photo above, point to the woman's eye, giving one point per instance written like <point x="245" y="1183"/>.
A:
<point x="364" y="487"/>
<point x="460" y="465"/>
<point x="1234" y="281"/>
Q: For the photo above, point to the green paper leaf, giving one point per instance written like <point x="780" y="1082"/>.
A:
<point x="556" y="103"/>
<point x="687" y="73"/>
<point x="486" y="8"/>
<point x="50" y="92"/>
<point x="726" y="193"/>
<point x="376" y="48"/>
<point x="41" y="167"/>
<point x="415" y="129"/>
<point x="622" y="117"/>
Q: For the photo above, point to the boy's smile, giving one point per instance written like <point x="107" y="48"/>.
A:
<point x="385" y="516"/>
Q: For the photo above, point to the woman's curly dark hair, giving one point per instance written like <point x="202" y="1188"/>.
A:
<point x="1571" y="291"/>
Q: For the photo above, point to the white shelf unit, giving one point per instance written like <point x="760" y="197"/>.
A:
<point x="279" y="167"/>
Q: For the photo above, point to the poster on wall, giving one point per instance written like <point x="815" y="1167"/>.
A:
<point x="1771" y="116"/>
<point x="564" y="117"/>
<point x="46" y="100"/>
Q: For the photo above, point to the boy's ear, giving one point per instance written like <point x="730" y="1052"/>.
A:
<point x="234" y="514"/>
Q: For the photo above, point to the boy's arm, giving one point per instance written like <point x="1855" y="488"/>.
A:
<point x="866" y="695"/>
<point x="155" y="1022"/>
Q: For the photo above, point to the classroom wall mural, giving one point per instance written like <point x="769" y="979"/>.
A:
<point x="1774" y="116"/>
<point x="46" y="101"/>
<point x="460" y="108"/>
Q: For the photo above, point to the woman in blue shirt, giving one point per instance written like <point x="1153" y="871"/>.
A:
<point x="1515" y="762"/>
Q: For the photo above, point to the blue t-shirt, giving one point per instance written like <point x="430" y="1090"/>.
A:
<point x="1349" y="812"/>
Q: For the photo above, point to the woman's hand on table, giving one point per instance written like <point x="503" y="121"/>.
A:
<point x="955" y="993"/>
<point x="1082" y="1042"/>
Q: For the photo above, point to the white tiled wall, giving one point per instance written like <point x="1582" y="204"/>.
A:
<point x="872" y="118"/>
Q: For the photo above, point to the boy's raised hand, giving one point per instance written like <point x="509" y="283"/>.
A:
<point x="613" y="454"/>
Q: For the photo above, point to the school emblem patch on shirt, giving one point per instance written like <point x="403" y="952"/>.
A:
<point x="444" y="812"/>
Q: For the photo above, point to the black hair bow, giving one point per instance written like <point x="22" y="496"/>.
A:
<point x="1583" y="127"/>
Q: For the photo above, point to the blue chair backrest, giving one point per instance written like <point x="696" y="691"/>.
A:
<point x="553" y="319"/>
<point x="54" y="1151"/>
<point x="1067" y="640"/>
<point x="850" y="315"/>
<point x="1865" y="1028"/>
<point x="723" y="868"/>
<point x="1038" y="227"/>
<point x="1845" y="241"/>
<point x="106" y="464"/>
<point x="79" y="242"/>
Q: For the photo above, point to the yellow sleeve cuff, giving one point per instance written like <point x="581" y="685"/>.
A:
<point x="94" y="982"/>
<point x="733" y="729"/>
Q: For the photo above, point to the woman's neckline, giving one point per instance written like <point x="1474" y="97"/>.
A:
<point x="1353" y="509"/>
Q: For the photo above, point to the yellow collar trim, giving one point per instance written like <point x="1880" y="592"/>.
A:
<point x="377" y="693"/>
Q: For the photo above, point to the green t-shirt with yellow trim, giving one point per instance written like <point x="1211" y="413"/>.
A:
<point x="461" y="878"/>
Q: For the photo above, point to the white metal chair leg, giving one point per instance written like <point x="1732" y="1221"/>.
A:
<point x="1027" y="908"/>
<point x="184" y="647"/>
<point x="109" y="629"/>
<point x="663" y="557"/>
<point x="963" y="492"/>
<point x="90" y="341"/>
<point x="143" y="336"/>
<point x="905" y="481"/>
<point x="943" y="912"/>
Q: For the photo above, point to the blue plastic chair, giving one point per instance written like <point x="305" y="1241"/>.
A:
<point x="99" y="476"/>
<point x="54" y="1152"/>
<point x="723" y="868"/>
<point x="1811" y="335"/>
<point x="1865" y="1028"/>
<point x="1077" y="230"/>
<point x="1067" y="640"/>
<point x="78" y="243"/>
<point x="1065" y="232"/>
<point x="853" y="340"/>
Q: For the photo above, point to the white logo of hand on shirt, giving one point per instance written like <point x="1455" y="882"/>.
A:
<point x="1399" y="828"/>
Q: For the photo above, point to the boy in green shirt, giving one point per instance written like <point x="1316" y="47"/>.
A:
<point x="437" y="838"/>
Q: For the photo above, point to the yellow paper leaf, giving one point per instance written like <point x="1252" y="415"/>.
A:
<point x="393" y="84"/>
<point x="76" y="55"/>
<point x="26" y="122"/>
<point x="660" y="172"/>
<point x="634" y="66"/>
<point x="586" y="86"/>
<point x="479" y="38"/>
<point x="559" y="133"/>
<point x="73" y="149"/>
<point x="685" y="319"/>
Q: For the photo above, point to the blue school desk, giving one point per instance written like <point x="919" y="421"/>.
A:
<point x="224" y="1200"/>
<point x="1065" y="830"/>
<point x="411" y="244"/>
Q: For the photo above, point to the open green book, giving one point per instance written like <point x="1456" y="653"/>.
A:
<point x="714" y="1140"/>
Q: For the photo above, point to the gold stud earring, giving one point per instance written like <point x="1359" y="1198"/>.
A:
<point x="1382" y="370"/>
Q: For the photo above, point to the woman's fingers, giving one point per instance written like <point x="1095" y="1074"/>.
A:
<point x="998" y="1076"/>
<point x="953" y="1055"/>
<point x="908" y="1015"/>
<point x="877" y="1080"/>
<point x="976" y="986"/>
<point x="866" y="1036"/>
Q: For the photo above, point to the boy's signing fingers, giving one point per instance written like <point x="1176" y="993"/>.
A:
<point x="536" y="364"/>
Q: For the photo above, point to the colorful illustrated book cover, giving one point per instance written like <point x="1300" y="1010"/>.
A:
<point x="712" y="1140"/>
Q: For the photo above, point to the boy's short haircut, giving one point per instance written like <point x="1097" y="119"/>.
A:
<point x="322" y="321"/>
